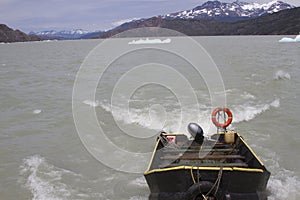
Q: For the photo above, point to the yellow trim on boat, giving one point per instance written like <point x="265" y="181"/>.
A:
<point x="153" y="154"/>
<point x="203" y="168"/>
<point x="262" y="164"/>
<point x="248" y="169"/>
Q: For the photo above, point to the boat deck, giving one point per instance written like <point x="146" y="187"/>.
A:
<point x="210" y="154"/>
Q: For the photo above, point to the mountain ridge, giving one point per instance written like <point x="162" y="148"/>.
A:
<point x="8" y="34"/>
<point x="210" y="10"/>
<point x="65" y="34"/>
<point x="237" y="10"/>
<point x="210" y="18"/>
<point x="285" y="22"/>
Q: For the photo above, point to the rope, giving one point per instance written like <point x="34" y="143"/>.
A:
<point x="217" y="183"/>
<point x="163" y="139"/>
<point x="198" y="179"/>
<point x="198" y="175"/>
<point x="192" y="175"/>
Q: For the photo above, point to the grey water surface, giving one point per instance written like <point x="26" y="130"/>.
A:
<point x="43" y="158"/>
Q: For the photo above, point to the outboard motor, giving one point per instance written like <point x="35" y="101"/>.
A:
<point x="196" y="131"/>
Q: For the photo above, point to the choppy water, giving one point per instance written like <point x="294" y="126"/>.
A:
<point x="42" y="157"/>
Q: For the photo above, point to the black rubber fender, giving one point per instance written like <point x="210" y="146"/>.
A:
<point x="203" y="187"/>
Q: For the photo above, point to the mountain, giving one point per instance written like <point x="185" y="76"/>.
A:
<point x="66" y="35"/>
<point x="229" y="11"/>
<point x="9" y="35"/>
<point x="285" y="22"/>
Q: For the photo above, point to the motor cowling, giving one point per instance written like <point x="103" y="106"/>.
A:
<point x="197" y="132"/>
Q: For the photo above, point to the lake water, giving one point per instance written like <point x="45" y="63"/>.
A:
<point x="42" y="156"/>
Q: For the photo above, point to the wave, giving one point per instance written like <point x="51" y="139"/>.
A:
<point x="139" y="198"/>
<point x="247" y="112"/>
<point x="47" y="182"/>
<point x="91" y="103"/>
<point x="140" y="182"/>
<point x="172" y="121"/>
<point x="280" y="75"/>
<point x="43" y="179"/>
<point x="283" y="183"/>
<point x="157" y="118"/>
<point x="247" y="95"/>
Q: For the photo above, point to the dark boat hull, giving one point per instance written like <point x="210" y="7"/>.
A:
<point x="234" y="184"/>
<point x="229" y="171"/>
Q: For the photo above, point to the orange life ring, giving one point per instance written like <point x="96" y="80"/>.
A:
<point x="214" y="119"/>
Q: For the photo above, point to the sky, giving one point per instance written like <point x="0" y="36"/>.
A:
<point x="91" y="15"/>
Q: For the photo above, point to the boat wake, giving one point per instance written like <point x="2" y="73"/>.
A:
<point x="250" y="110"/>
<point x="43" y="179"/>
<point x="157" y="118"/>
<point x="283" y="183"/>
<point x="172" y="121"/>
<point x="46" y="181"/>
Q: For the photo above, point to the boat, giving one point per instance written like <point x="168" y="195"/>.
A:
<point x="221" y="166"/>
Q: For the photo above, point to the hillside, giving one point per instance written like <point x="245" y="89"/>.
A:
<point x="9" y="35"/>
<point x="286" y="22"/>
<point x="230" y="12"/>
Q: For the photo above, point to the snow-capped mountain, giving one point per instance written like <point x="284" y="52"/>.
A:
<point x="71" y="34"/>
<point x="237" y="9"/>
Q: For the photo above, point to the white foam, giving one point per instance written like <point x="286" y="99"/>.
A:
<point x="141" y="117"/>
<point x="139" y="198"/>
<point x="247" y="95"/>
<point x="249" y="111"/>
<point x="172" y="121"/>
<point x="43" y="179"/>
<point x="37" y="111"/>
<point x="159" y="119"/>
<point x="284" y="185"/>
<point x="141" y="182"/>
<point x="150" y="41"/>
<point x="91" y="103"/>
<point x="279" y="75"/>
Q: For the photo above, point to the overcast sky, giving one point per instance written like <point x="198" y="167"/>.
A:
<point x="36" y="15"/>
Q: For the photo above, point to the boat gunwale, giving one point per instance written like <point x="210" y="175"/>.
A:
<point x="185" y="167"/>
<point x="216" y="168"/>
